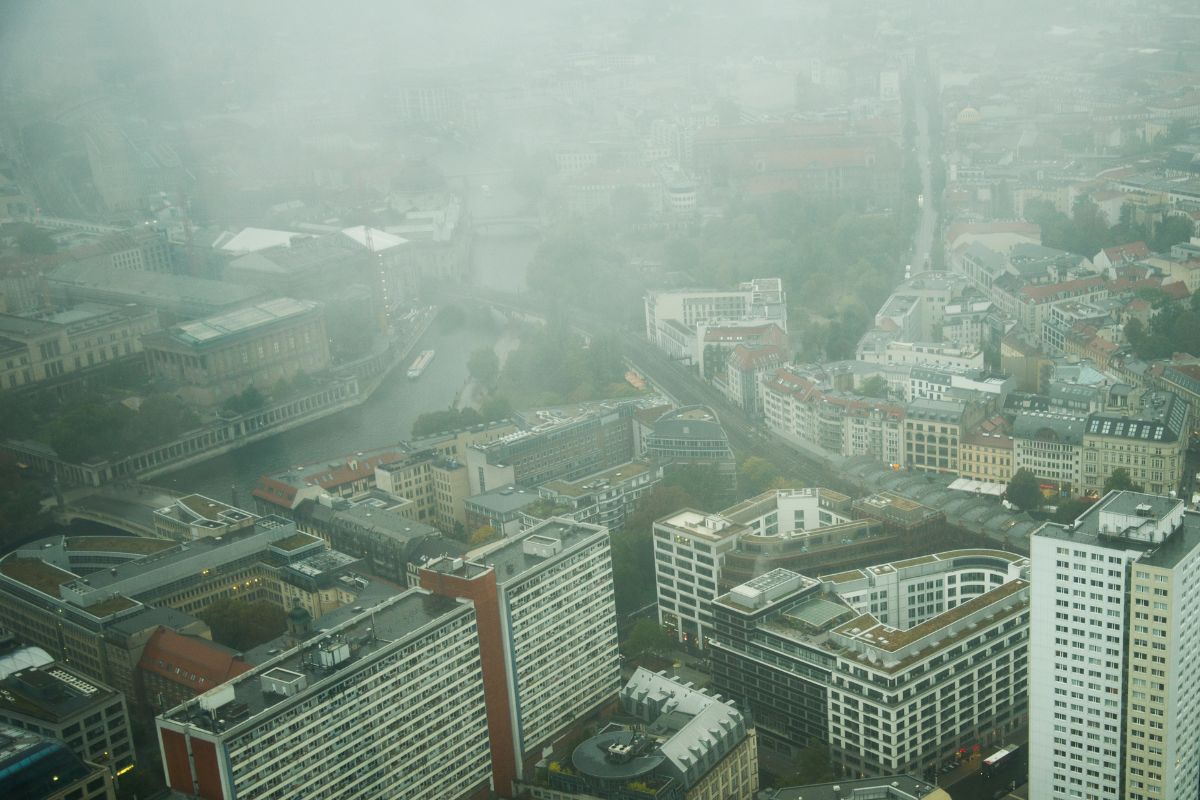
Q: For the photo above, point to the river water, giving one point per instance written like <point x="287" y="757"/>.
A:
<point x="384" y="419"/>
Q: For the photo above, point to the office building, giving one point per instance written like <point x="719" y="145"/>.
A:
<point x="933" y="431"/>
<point x="691" y="548"/>
<point x="93" y="602"/>
<point x="678" y="742"/>
<point x="547" y="634"/>
<point x="605" y="498"/>
<point x="556" y="444"/>
<point x="692" y="436"/>
<point x="195" y="516"/>
<point x="896" y="666"/>
<point x="535" y="625"/>
<point x="815" y="408"/>
<point x="34" y="767"/>
<point x="886" y="787"/>
<point x="307" y="722"/>
<point x="1050" y="446"/>
<point x="378" y="528"/>
<point x="57" y="702"/>
<point x="215" y="358"/>
<point x="1114" y="659"/>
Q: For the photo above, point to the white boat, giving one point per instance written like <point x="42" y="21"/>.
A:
<point x="420" y="364"/>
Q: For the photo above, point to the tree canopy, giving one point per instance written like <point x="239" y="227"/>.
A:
<point x="1120" y="481"/>
<point x="242" y="624"/>
<point x="647" y="640"/>
<point x="633" y="548"/>
<point x="1024" y="491"/>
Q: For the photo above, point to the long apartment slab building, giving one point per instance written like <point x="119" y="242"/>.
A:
<point x="492" y="660"/>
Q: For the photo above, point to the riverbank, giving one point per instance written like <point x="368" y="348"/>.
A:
<point x="470" y="395"/>
<point x="351" y="385"/>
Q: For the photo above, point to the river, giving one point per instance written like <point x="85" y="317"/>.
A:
<point x="384" y="419"/>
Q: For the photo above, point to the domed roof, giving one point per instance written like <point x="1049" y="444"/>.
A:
<point x="969" y="116"/>
<point x="299" y="614"/>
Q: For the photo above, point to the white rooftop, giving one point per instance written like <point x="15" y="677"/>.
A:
<point x="380" y="240"/>
<point x="251" y="240"/>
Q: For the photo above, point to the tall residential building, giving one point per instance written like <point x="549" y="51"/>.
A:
<point x="348" y="713"/>
<point x="547" y="628"/>
<point x="896" y="666"/>
<point x="1115" y="676"/>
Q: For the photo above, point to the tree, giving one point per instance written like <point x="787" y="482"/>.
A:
<point x="1024" y="491"/>
<point x="633" y="547"/>
<point x="1120" y="481"/>
<point x="243" y="624"/>
<point x="495" y="407"/>
<point x="32" y="240"/>
<point x="755" y="476"/>
<point x="484" y="366"/>
<point x="875" y="386"/>
<point x="648" y="640"/>
<point x="250" y="399"/>
<point x="1171" y="231"/>
<point x="703" y="482"/>
<point x="1068" y="511"/>
<point x="812" y="765"/>
<point x="159" y="419"/>
<point x="482" y="535"/>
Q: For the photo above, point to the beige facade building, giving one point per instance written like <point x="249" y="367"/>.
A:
<point x="41" y="347"/>
<point x="985" y="456"/>
<point x="217" y="357"/>
<point x="1151" y="444"/>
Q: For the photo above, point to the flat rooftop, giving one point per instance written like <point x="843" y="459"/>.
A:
<point x="511" y="559"/>
<point x="134" y="545"/>
<point x="582" y="486"/>
<point x="1131" y="506"/>
<point x="710" y="526"/>
<point x="51" y="693"/>
<point x="888" y="787"/>
<point x="36" y="574"/>
<point x="370" y="629"/>
<point x="222" y="326"/>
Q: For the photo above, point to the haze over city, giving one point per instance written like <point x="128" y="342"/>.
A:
<point x="648" y="400"/>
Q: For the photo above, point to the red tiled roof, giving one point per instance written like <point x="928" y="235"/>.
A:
<point x="1176" y="290"/>
<point x="275" y="492"/>
<point x="190" y="661"/>
<point x="747" y="358"/>
<point x="1127" y="252"/>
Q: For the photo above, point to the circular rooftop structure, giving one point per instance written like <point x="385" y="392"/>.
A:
<point x="617" y="755"/>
